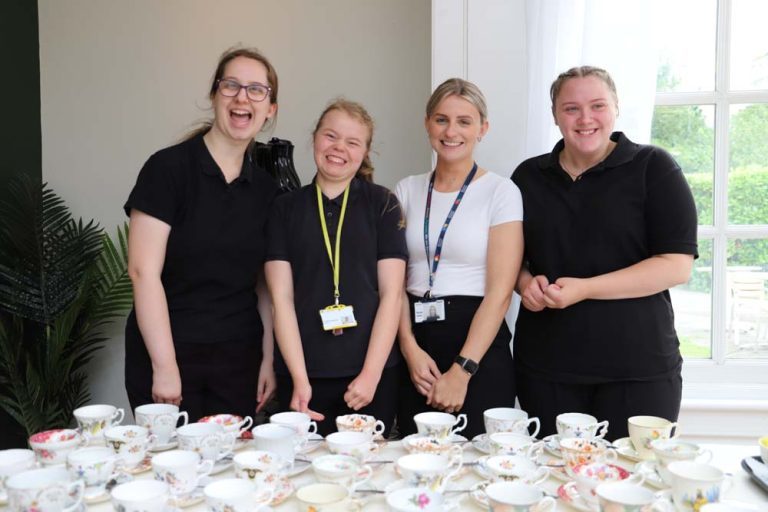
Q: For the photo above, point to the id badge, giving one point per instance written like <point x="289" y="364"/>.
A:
<point x="425" y="311"/>
<point x="338" y="317"/>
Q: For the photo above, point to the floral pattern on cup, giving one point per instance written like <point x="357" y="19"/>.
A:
<point x="510" y="443"/>
<point x="93" y="420"/>
<point x="44" y="490"/>
<point x="181" y="470"/>
<point x="230" y="422"/>
<point x="360" y="423"/>
<point x="130" y="443"/>
<point x="576" y="424"/>
<point x="52" y="446"/>
<point x="161" y="420"/>
<point x="512" y="468"/>
<point x="695" y="484"/>
<point x="439" y="425"/>
<point x="643" y="430"/>
<point x="415" y="499"/>
<point x="577" y="451"/>
<point x="509" y="419"/>
<point x="208" y="439"/>
<point x="260" y="467"/>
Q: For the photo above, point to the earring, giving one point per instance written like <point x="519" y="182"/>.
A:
<point x="479" y="139"/>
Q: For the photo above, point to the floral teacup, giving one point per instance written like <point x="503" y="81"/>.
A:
<point x="52" y="446"/>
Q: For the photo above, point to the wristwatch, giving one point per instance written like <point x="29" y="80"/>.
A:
<point x="467" y="365"/>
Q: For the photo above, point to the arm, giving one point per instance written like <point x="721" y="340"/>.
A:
<point x="267" y="383"/>
<point x="505" y="253"/>
<point x="647" y="277"/>
<point x="147" y="240"/>
<point x="422" y="368"/>
<point x="280" y="282"/>
<point x="531" y="289"/>
<point x="391" y="274"/>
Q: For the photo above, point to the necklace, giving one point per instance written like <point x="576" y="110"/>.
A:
<point x="577" y="174"/>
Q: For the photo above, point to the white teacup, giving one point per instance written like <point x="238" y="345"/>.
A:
<point x="671" y="450"/>
<point x="323" y="497"/>
<point x="512" y="468"/>
<point x="429" y="470"/>
<point x="509" y="419"/>
<point x="510" y="443"/>
<point x="52" y="446"/>
<point x="628" y="496"/>
<point x="12" y="461"/>
<point x="439" y="425"/>
<point x="576" y="451"/>
<point x="208" y="439"/>
<point x="44" y="490"/>
<point x="95" y="465"/>
<point x="93" y="420"/>
<point x="260" y="467"/>
<point x="360" y="423"/>
<point x="161" y="420"/>
<point x="356" y="444"/>
<point x="576" y="424"/>
<point x="520" y="497"/>
<point x="141" y="496"/>
<point x="299" y="421"/>
<point x="416" y="499"/>
<point x="586" y="478"/>
<point x="182" y="470"/>
<point x="694" y="484"/>
<point x="230" y="422"/>
<point x="278" y="439"/>
<point x="236" y="495"/>
<point x="644" y="429"/>
<point x="341" y="469"/>
<point x="130" y="443"/>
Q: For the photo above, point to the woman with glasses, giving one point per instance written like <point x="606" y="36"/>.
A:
<point x="196" y="249"/>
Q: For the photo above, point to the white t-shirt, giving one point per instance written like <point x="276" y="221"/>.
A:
<point x="490" y="200"/>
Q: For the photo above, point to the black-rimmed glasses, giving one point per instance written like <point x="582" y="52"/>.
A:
<point x="255" y="91"/>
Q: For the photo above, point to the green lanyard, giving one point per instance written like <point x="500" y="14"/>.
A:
<point x="334" y="261"/>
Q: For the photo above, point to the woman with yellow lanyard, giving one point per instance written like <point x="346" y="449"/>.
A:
<point x="335" y="270"/>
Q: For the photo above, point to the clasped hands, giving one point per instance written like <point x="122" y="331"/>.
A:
<point x="540" y="293"/>
<point x="444" y="391"/>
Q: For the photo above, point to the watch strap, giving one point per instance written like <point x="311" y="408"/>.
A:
<point x="468" y="365"/>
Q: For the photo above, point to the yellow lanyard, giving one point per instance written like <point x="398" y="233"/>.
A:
<point x="334" y="261"/>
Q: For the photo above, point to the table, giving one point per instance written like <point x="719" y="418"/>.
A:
<point x="727" y="457"/>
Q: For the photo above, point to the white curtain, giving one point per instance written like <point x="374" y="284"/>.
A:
<point x="613" y="34"/>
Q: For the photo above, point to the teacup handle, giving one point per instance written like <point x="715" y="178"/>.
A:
<point x="228" y="440"/>
<point x="546" y="503"/>
<point x="456" y="459"/>
<point x="461" y="424"/>
<point x="151" y="441"/>
<point x="538" y="426"/>
<point x="181" y="414"/>
<point x="118" y="416"/>
<point x="204" y="468"/>
<point x="706" y="456"/>
<point x="534" y="451"/>
<point x="363" y="476"/>
<point x="541" y="474"/>
<point x="661" y="503"/>
<point x="601" y="429"/>
<point x="637" y="478"/>
<point x="672" y="427"/>
<point x="260" y="495"/>
<point x="244" y="425"/>
<point x="571" y="491"/>
<point x="75" y="489"/>
<point x="610" y="455"/>
<point x="312" y="427"/>
<point x="378" y="428"/>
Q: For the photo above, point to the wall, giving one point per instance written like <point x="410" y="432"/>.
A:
<point x="120" y="80"/>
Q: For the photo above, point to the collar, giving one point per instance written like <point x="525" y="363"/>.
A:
<point x="354" y="186"/>
<point x="623" y="153"/>
<point x="209" y="166"/>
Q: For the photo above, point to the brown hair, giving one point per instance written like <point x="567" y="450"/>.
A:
<point x="357" y="111"/>
<point x="461" y="88"/>
<point x="581" y="72"/>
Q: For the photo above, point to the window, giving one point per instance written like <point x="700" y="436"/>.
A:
<point x="711" y="113"/>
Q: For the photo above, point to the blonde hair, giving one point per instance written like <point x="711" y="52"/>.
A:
<point x="461" y="88"/>
<point x="358" y="112"/>
<point x="581" y="72"/>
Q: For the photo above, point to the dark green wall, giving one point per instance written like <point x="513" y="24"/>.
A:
<point x="20" y="134"/>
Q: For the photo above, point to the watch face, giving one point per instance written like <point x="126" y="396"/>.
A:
<point x="469" y="366"/>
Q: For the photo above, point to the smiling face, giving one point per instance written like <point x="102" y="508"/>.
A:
<point x="238" y="118"/>
<point x="340" y="144"/>
<point x="454" y="128"/>
<point x="585" y="111"/>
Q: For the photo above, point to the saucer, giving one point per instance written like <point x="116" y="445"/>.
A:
<point x="418" y="443"/>
<point x="283" y="491"/>
<point x="144" y="465"/>
<point x="480" y="443"/>
<point x="477" y="492"/>
<point x="649" y="470"/>
<point x="240" y="443"/>
<point x="222" y="465"/>
<point x="95" y="497"/>
<point x="193" y="498"/>
<point x="552" y="445"/>
<point x="314" y="441"/>
<point x="481" y="470"/>
<point x="163" y="447"/>
<point x="576" y="502"/>
<point x="299" y="466"/>
<point x="624" y="448"/>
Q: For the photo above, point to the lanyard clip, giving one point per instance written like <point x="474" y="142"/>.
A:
<point x="428" y="295"/>
<point x="336" y="299"/>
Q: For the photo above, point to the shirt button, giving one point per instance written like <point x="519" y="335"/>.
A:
<point x="329" y="214"/>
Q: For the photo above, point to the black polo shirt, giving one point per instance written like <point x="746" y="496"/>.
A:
<point x="216" y="245"/>
<point x="633" y="205"/>
<point x="373" y="230"/>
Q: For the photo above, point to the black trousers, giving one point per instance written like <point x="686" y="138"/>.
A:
<point x="215" y="377"/>
<point x="612" y="401"/>
<point x="328" y="399"/>
<point x="492" y="386"/>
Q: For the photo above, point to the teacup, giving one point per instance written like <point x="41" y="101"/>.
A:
<point x="323" y="497"/>
<point x="694" y="484"/>
<point x="356" y="444"/>
<point x="12" y="461"/>
<point x="586" y="478"/>
<point x="44" y="490"/>
<point x="182" y="470"/>
<point x="576" y="424"/>
<point x="510" y="443"/>
<point x="629" y="497"/>
<point x="260" y="467"/>
<point x="236" y="495"/>
<point x="278" y="439"/>
<point x="95" y="465"/>
<point x="130" y="443"/>
<point x="428" y="469"/>
<point x="415" y="499"/>
<point x="299" y="421"/>
<point x="422" y="444"/>
<point x="161" y="420"/>
<point x="511" y="468"/>
<point x="671" y="450"/>
<point x="230" y="422"/>
<point x="517" y="496"/>
<point x="341" y="469"/>
<point x="93" y="420"/>
<point x="439" y="425"/>
<point x="644" y="429"/>
<point x="52" y="446"/>
<point x="577" y="451"/>
<point x="509" y="419"/>
<point x="208" y="439"/>
<point x="360" y="423"/>
<point x="141" y="496"/>
<point x="763" y="442"/>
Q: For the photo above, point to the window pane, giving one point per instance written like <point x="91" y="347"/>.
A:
<point x="686" y="37"/>
<point x="748" y="175"/>
<point x="693" y="307"/>
<point x="687" y="132"/>
<point x="747" y="301"/>
<point x="749" y="46"/>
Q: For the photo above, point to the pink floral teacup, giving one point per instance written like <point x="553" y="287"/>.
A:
<point x="52" y="446"/>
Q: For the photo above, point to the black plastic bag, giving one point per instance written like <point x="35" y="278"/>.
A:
<point x="276" y="157"/>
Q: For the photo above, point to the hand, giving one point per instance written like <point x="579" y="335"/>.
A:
<point x="302" y="393"/>
<point x="565" y="292"/>
<point x="166" y="385"/>
<point x="423" y="369"/>
<point x="267" y="384"/>
<point x="450" y="390"/>
<point x="360" y="391"/>
<point x="533" y="294"/>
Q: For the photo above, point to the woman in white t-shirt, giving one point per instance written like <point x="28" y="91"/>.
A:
<point x="465" y="245"/>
